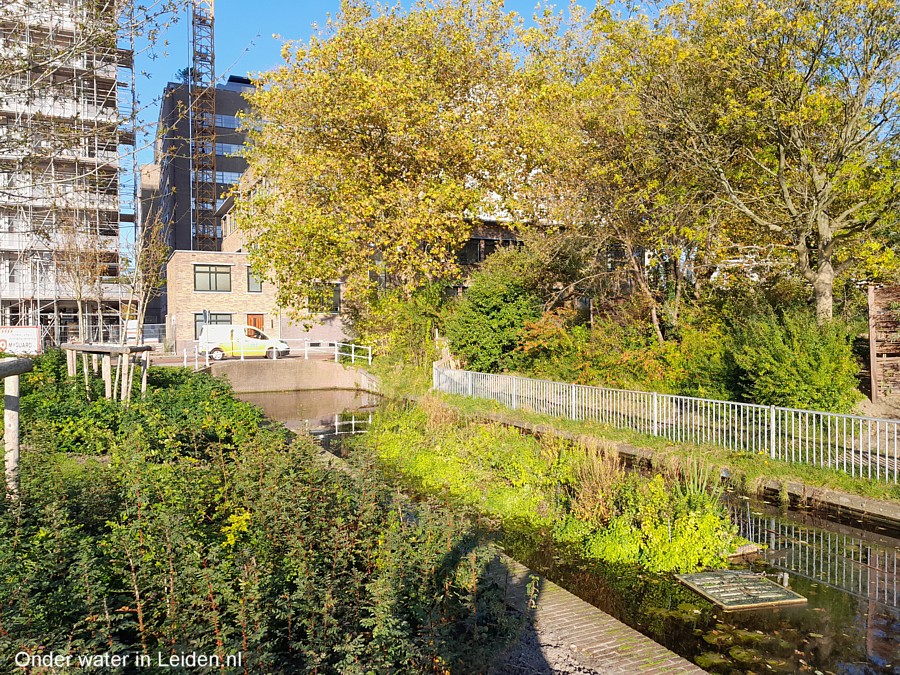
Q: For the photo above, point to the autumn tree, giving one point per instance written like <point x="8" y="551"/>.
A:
<point x="372" y="147"/>
<point x="791" y="107"/>
<point x="606" y="184"/>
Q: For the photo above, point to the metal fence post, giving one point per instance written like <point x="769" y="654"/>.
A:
<point x="336" y="352"/>
<point x="471" y="383"/>
<point x="515" y="393"/>
<point x="573" y="404"/>
<point x="370" y="354"/>
<point x="305" y="348"/>
<point x="352" y="354"/>
<point x="655" y="413"/>
<point x="772" y="431"/>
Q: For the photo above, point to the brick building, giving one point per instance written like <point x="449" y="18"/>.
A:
<point x="222" y="283"/>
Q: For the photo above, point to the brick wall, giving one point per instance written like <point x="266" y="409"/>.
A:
<point x="184" y="303"/>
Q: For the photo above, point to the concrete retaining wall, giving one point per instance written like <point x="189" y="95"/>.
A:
<point x="258" y="375"/>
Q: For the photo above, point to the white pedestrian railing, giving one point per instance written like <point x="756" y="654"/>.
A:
<point x="343" y="425"/>
<point x="304" y="349"/>
<point x="865" y="447"/>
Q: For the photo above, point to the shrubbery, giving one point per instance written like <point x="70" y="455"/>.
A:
<point x="401" y="328"/>
<point x="487" y="323"/>
<point x="788" y="360"/>
<point x="729" y="344"/>
<point x="582" y="498"/>
<point x="202" y="530"/>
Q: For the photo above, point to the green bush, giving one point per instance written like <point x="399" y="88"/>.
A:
<point x="401" y="328"/>
<point x="788" y="360"/>
<point x="205" y="529"/>
<point x="486" y="325"/>
<point x="622" y="355"/>
<point x="585" y="502"/>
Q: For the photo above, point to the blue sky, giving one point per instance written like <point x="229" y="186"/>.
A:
<point x="244" y="31"/>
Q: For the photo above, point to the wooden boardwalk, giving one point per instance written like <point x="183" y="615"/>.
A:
<point x="611" y="647"/>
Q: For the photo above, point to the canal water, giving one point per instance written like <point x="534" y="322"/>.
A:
<point x="322" y="412"/>
<point x="850" y="625"/>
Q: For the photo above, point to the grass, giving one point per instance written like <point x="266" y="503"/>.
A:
<point x="400" y="380"/>
<point x="747" y="470"/>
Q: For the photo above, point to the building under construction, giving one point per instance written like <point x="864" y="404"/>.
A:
<point x="66" y="85"/>
<point x="184" y="206"/>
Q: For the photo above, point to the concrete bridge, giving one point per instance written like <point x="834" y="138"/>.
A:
<point x="258" y="376"/>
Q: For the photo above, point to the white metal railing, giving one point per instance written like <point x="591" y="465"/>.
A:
<point x="343" y="425"/>
<point x="866" y="447"/>
<point x="302" y="348"/>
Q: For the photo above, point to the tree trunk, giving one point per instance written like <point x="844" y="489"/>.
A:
<point x="823" y="291"/>
<point x="821" y="278"/>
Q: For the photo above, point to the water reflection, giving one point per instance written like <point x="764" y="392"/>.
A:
<point x="820" y="557"/>
<point x="854" y="561"/>
<point x="320" y="411"/>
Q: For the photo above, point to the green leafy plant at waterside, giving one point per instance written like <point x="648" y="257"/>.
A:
<point x="788" y="360"/>
<point x="581" y="497"/>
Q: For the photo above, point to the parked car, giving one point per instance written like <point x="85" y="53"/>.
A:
<point x="234" y="340"/>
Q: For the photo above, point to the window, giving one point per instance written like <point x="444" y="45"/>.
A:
<point x="214" y="278"/>
<point x="222" y="177"/>
<point x="214" y="320"/>
<point x="229" y="149"/>
<point x="227" y="121"/>
<point x="325" y="299"/>
<point x="14" y="272"/>
<point x="254" y="283"/>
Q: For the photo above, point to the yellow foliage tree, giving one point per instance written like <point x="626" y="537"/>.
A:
<point x="371" y="148"/>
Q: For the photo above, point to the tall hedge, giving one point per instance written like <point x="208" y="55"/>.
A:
<point x="788" y="360"/>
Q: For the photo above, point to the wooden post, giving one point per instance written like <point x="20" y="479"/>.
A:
<point x="873" y="344"/>
<point x="131" y="365"/>
<point x="10" y="369"/>
<point x="116" y="378"/>
<point x="123" y="395"/>
<point x="11" y="434"/>
<point x="70" y="362"/>
<point x="87" y="375"/>
<point x="144" y="374"/>
<point x="107" y="374"/>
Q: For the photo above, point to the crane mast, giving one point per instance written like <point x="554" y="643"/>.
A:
<point x="203" y="126"/>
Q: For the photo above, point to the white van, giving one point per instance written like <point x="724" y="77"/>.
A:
<point x="233" y="340"/>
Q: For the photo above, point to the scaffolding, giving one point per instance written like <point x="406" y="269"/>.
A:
<point x="61" y="187"/>
<point x="203" y="126"/>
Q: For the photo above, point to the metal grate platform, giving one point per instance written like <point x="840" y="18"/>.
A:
<point x="738" y="589"/>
